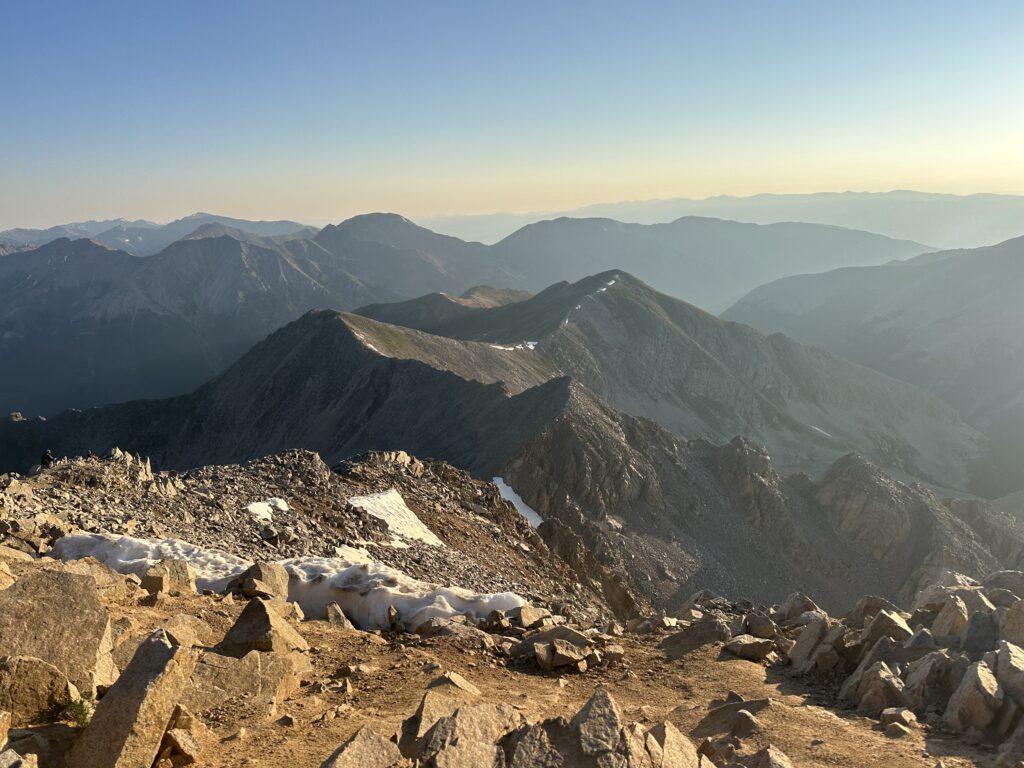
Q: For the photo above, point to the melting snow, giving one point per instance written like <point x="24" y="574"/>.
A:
<point x="263" y="511"/>
<point x="521" y="506"/>
<point x="390" y="507"/>
<point x="364" y="590"/>
<point x="520" y="345"/>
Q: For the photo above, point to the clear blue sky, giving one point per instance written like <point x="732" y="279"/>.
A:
<point x="316" y="111"/>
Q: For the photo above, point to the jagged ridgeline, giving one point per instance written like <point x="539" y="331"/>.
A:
<point x="626" y="449"/>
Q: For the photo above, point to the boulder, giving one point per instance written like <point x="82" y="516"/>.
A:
<point x="928" y="681"/>
<point x="261" y="628"/>
<point x="796" y="604"/>
<point x="807" y="642"/>
<point x="130" y="720"/>
<point x="667" y="747"/>
<point x="33" y="691"/>
<point x="878" y="689"/>
<point x="470" y="735"/>
<point x="58" y="617"/>
<point x="760" y="625"/>
<point x="866" y="609"/>
<point x="5" y="727"/>
<point x="598" y="723"/>
<point x="901" y="715"/>
<point x="528" y="616"/>
<point x="750" y="647"/>
<point x="952" y="619"/>
<point x="886" y="624"/>
<point x="366" y="749"/>
<point x="712" y="628"/>
<point x="976" y="701"/>
<point x="261" y="579"/>
<point x="263" y="677"/>
<point x="1013" y="624"/>
<point x="980" y="635"/>
<point x="1009" y="670"/>
<point x="171" y="577"/>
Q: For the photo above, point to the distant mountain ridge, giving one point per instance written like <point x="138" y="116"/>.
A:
<point x="940" y="220"/>
<point x="117" y="330"/>
<point x="950" y="322"/>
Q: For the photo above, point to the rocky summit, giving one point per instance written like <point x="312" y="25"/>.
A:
<point x="390" y="611"/>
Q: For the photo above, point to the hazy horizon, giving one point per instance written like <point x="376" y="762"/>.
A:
<point x="323" y="111"/>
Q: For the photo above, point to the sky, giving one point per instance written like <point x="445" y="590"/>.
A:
<point x="316" y="111"/>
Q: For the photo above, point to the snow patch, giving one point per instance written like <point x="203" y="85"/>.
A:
<point x="214" y="569"/>
<point x="263" y="511"/>
<point x="364" y="590"/>
<point x="390" y="507"/>
<point x="513" y="348"/>
<point x="521" y="506"/>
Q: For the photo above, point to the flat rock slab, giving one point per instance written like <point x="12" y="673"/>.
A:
<point x="58" y="617"/>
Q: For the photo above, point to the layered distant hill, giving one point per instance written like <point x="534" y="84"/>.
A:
<point x="708" y="262"/>
<point x="951" y="322"/>
<point x="615" y="489"/>
<point x="144" y="238"/>
<point x="945" y="221"/>
<point x="85" y="325"/>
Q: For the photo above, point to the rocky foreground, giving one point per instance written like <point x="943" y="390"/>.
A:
<point x="138" y="661"/>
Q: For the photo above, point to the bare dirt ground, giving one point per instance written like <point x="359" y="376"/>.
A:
<point x="646" y="686"/>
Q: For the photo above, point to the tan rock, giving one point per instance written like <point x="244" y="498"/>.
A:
<point x="750" y="647"/>
<point x="1013" y="624"/>
<point x="261" y="628"/>
<point x="171" y="577"/>
<point x="11" y="759"/>
<point x="366" y="749"/>
<point x="128" y="725"/>
<point x="6" y="575"/>
<point x="33" y="691"/>
<point x="1009" y="670"/>
<point x="262" y="677"/>
<point x="976" y="701"/>
<point x="668" y="748"/>
<point x="262" y="579"/>
<point x="58" y="617"/>
<point x="710" y="629"/>
<point x="951" y="619"/>
<point x="5" y="727"/>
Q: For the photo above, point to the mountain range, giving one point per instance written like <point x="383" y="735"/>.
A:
<point x="701" y="377"/>
<point x="941" y="220"/>
<point x="84" y="325"/>
<point x="949" y="321"/>
<point x="672" y="514"/>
